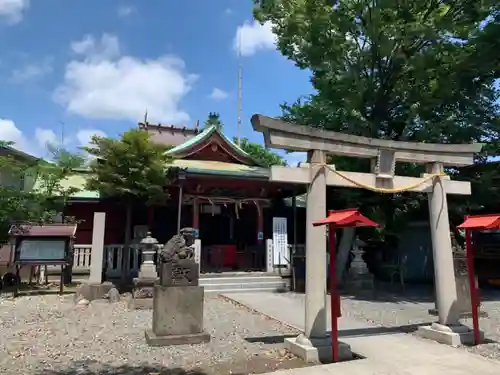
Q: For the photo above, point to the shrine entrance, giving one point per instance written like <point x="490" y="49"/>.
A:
<point x="229" y="243"/>
<point x="384" y="154"/>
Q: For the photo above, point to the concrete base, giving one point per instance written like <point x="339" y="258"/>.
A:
<point x="462" y="315"/>
<point x="92" y="292"/>
<point x="316" y="350"/>
<point x="189" y="339"/>
<point x="453" y="336"/>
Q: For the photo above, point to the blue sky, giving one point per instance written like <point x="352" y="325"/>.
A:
<point x="97" y="65"/>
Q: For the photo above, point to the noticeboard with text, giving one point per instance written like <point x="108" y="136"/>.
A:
<point x="40" y="250"/>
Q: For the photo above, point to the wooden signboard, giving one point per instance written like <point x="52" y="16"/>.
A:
<point x="52" y="250"/>
<point x="42" y="245"/>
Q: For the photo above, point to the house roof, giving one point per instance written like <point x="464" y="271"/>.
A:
<point x="20" y="154"/>
<point x="45" y="230"/>
<point x="169" y="135"/>
<point x="77" y="180"/>
<point x="192" y="146"/>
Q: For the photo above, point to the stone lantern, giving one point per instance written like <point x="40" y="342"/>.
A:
<point x="359" y="277"/>
<point x="149" y="246"/>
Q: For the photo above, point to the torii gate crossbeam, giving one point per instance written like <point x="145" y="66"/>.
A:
<point x="384" y="155"/>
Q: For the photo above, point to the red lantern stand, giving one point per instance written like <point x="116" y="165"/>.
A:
<point x="479" y="222"/>
<point x="350" y="217"/>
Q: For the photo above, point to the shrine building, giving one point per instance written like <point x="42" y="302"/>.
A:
<point x="214" y="187"/>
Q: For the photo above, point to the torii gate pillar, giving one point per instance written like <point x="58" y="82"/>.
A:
<point x="384" y="154"/>
<point x="315" y="314"/>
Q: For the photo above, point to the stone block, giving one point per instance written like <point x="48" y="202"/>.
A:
<point x="91" y="292"/>
<point x="317" y="350"/>
<point x="453" y="336"/>
<point x="177" y="316"/>
<point x="178" y="310"/>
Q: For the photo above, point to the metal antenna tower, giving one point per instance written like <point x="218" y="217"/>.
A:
<point x="240" y="86"/>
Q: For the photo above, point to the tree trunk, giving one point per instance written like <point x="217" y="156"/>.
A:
<point x="126" y="244"/>
<point x="343" y="252"/>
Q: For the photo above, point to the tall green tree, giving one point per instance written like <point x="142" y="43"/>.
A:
<point x="418" y="70"/>
<point x="259" y="153"/>
<point x="131" y="169"/>
<point x="213" y="119"/>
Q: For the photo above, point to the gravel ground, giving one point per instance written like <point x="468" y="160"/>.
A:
<point x="50" y="335"/>
<point x="411" y="308"/>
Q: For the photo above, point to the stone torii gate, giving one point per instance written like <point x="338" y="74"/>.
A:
<point x="384" y="155"/>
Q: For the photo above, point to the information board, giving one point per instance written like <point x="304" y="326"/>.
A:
<point x="41" y="250"/>
<point x="280" y="242"/>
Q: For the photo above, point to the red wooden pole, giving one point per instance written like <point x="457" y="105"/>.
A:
<point x="333" y="295"/>
<point x="472" y="285"/>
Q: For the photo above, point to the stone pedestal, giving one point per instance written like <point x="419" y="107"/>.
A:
<point x="456" y="335"/>
<point x="142" y="294"/>
<point x="177" y="316"/>
<point x="316" y="350"/>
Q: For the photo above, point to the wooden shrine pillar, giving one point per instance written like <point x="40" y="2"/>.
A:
<point x="196" y="218"/>
<point x="260" y="224"/>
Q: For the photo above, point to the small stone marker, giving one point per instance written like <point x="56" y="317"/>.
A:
<point x="113" y="295"/>
<point x="178" y="300"/>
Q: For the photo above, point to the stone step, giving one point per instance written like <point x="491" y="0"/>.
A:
<point x="205" y="281"/>
<point x="244" y="284"/>
<point x="229" y="291"/>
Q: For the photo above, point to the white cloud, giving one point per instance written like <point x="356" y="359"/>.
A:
<point x="106" y="48"/>
<point x="32" y="71"/>
<point x="46" y="136"/>
<point x="218" y="94"/>
<point x="12" y="10"/>
<point x="84" y="136"/>
<point x="252" y="37"/>
<point x="101" y="83"/>
<point x="125" y="10"/>
<point x="35" y="144"/>
<point x="11" y="133"/>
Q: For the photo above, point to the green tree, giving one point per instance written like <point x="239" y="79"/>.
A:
<point x="259" y="153"/>
<point x="213" y="120"/>
<point x="18" y="204"/>
<point x="419" y="70"/>
<point x="52" y="194"/>
<point x="131" y="169"/>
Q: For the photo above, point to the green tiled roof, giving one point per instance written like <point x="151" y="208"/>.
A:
<point x="205" y="134"/>
<point x="220" y="168"/>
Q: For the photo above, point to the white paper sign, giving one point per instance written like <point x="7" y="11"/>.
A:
<point x="280" y="241"/>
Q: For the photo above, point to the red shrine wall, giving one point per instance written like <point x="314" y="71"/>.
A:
<point x="115" y="221"/>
